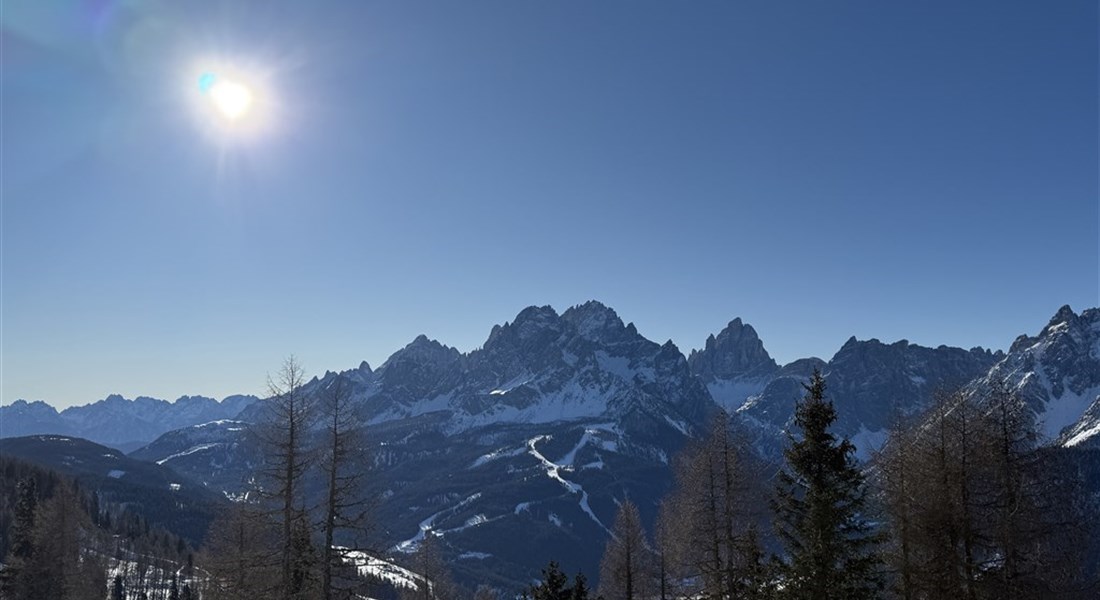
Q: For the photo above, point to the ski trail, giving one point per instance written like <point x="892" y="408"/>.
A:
<point x="553" y="471"/>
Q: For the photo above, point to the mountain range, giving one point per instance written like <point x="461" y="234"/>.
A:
<point x="558" y="417"/>
<point x="115" y="421"/>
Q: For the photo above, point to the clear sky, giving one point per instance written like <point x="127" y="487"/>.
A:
<point x="917" y="170"/>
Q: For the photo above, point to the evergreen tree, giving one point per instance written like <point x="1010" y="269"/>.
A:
<point x="118" y="592"/>
<point x="554" y="584"/>
<point x="580" y="587"/>
<point x="22" y="544"/>
<point x="14" y="582"/>
<point x="174" y="589"/>
<point x="831" y="548"/>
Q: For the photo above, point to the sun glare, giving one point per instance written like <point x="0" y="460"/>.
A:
<point x="229" y="98"/>
<point x="233" y="105"/>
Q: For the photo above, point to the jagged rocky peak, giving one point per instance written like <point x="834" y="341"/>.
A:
<point x="1064" y="322"/>
<point x="533" y="325"/>
<point x="422" y="350"/>
<point x="534" y="319"/>
<point x="1056" y="372"/>
<point x="418" y="366"/>
<point x="33" y="405"/>
<point x="594" y="320"/>
<point x="736" y="352"/>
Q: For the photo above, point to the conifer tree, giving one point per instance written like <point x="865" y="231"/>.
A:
<point x="14" y="582"/>
<point x="554" y="584"/>
<point x="831" y="548"/>
<point x="118" y="592"/>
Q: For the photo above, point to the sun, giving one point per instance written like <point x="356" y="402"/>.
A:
<point x="229" y="98"/>
<point x="233" y="104"/>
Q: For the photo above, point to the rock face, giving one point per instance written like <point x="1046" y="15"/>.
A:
<point x="871" y="384"/>
<point x="1058" y="374"/>
<point x="116" y="421"/>
<point x="734" y="365"/>
<point x="584" y="364"/>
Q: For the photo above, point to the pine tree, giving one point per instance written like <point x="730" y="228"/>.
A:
<point x="174" y="589"/>
<point x="554" y="584"/>
<point x="14" y="582"/>
<point x="831" y="548"/>
<point x="118" y="592"/>
<point x="580" y="587"/>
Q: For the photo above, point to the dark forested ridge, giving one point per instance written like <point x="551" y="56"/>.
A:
<point x="163" y="497"/>
<point x="60" y="539"/>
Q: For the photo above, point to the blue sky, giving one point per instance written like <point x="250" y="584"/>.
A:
<point x="925" y="171"/>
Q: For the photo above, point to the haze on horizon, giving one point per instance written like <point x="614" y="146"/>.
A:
<point x="926" y="172"/>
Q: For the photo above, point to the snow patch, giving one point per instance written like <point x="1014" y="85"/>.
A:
<point x="426" y="526"/>
<point x="868" y="442"/>
<point x="485" y="458"/>
<point x="372" y="566"/>
<point x="733" y="394"/>
<point x="191" y="450"/>
<point x="115" y="474"/>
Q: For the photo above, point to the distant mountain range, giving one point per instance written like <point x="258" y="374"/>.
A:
<point x="558" y="417"/>
<point x="116" y="421"/>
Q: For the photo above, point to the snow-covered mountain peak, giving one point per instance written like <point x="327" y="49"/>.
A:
<point x="1056" y="372"/>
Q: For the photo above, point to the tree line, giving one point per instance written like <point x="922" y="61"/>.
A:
<point x="58" y="541"/>
<point x="964" y="501"/>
